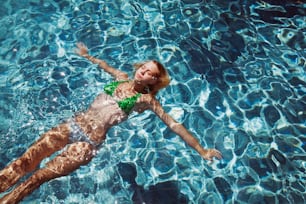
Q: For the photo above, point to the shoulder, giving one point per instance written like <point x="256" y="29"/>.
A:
<point x="149" y="101"/>
<point x="121" y="76"/>
<point x="147" y="98"/>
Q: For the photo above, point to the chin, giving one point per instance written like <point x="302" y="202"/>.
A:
<point x="138" y="81"/>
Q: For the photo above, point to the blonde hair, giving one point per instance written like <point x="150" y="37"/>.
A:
<point x="163" y="78"/>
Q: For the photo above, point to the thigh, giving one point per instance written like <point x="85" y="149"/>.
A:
<point x="50" y="142"/>
<point x="76" y="155"/>
<point x="55" y="138"/>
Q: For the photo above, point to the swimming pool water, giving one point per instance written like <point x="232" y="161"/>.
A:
<point x="238" y="84"/>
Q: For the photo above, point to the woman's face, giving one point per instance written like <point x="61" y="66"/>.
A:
<point x="147" y="74"/>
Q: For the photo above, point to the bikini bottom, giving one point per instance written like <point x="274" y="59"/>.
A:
<point x="78" y="135"/>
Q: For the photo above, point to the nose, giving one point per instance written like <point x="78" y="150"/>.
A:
<point x="142" y="72"/>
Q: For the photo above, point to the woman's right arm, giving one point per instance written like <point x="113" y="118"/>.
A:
<point x="83" y="51"/>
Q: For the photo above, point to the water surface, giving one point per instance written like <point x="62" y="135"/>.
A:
<point x="238" y="84"/>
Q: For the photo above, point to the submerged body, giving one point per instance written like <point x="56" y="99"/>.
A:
<point x="82" y="135"/>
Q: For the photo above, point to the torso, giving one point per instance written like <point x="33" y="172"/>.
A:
<point x="105" y="112"/>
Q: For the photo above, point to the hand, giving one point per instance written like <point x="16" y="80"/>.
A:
<point x="82" y="50"/>
<point x="209" y="154"/>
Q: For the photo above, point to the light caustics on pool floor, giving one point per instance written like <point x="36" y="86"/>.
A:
<point x="238" y="84"/>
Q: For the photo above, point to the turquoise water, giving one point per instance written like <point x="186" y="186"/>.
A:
<point x="238" y="84"/>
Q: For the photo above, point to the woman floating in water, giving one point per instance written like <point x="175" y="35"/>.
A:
<point x="82" y="135"/>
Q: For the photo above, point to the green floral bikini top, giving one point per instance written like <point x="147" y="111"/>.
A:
<point x="126" y="104"/>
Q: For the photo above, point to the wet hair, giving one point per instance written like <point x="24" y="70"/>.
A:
<point x="163" y="78"/>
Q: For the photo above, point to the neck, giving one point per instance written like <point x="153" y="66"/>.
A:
<point x="140" y="88"/>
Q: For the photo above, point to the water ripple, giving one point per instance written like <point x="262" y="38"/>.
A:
<point x="237" y="83"/>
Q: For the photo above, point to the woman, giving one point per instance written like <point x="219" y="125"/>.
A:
<point x="82" y="135"/>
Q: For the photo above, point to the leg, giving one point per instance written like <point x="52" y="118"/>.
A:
<point x="77" y="154"/>
<point x="52" y="141"/>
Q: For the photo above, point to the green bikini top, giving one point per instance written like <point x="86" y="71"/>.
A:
<point x="126" y="104"/>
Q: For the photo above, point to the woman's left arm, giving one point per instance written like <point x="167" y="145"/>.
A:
<point x="180" y="130"/>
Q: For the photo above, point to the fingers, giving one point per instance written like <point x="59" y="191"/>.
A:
<point x="217" y="154"/>
<point x="81" y="49"/>
<point x="211" y="153"/>
<point x="81" y="45"/>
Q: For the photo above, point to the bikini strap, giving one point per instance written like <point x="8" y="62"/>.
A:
<point x="111" y="87"/>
